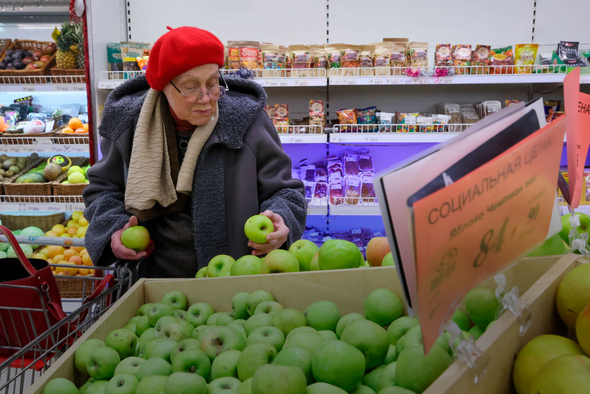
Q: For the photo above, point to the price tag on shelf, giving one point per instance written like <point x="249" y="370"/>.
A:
<point x="585" y="79"/>
<point x="29" y="207"/>
<point x="445" y="80"/>
<point x="54" y="207"/>
<point x="79" y="148"/>
<point x="79" y="88"/>
<point x="61" y="88"/>
<point x="302" y="82"/>
<point x="336" y="81"/>
<point x="273" y="83"/>
<point x="283" y="83"/>
<point x="42" y="141"/>
<point x="421" y="81"/>
<point x="371" y="139"/>
<point x="376" y="81"/>
<point x="351" y="81"/>
<point x="337" y="138"/>
<point x="28" y="88"/>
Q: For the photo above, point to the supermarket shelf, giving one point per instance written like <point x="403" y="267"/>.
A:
<point x="303" y="138"/>
<point x="355" y="210"/>
<point x="317" y="210"/>
<point x="42" y="204"/>
<point x="389" y="138"/>
<point x="69" y="144"/>
<point x="74" y="83"/>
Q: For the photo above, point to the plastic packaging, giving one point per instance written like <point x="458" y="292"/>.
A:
<point x="524" y="58"/>
<point x="443" y="56"/>
<point x="336" y="194"/>
<point x="347" y="116"/>
<point x="480" y="60"/>
<point x="233" y="55"/>
<point x="366" y="115"/>
<point x="249" y="54"/>
<point x="368" y="189"/>
<point x="418" y="54"/>
<point x="462" y="59"/>
<point x="366" y="60"/>
<point x="385" y="119"/>
<point x="407" y="122"/>
<point x="365" y="162"/>
<point x="382" y="58"/>
<point x="309" y="189"/>
<point x="321" y="190"/>
<point x="500" y="58"/>
<point x="350" y="58"/>
<point x="353" y="190"/>
<point x="300" y="57"/>
<point x="351" y="164"/>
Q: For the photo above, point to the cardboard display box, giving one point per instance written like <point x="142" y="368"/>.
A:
<point x="537" y="279"/>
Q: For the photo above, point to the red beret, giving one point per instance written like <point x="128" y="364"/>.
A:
<point x="181" y="50"/>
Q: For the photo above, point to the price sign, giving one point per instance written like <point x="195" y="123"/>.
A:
<point x="79" y="88"/>
<point x="445" y="80"/>
<point x="337" y="138"/>
<point x="283" y="83"/>
<point x="351" y="82"/>
<point x="421" y="81"/>
<point x="302" y="82"/>
<point x="61" y="88"/>
<point x="371" y="139"/>
<point x="470" y="230"/>
<point x="336" y="81"/>
<point x="28" y="88"/>
<point x="409" y="81"/>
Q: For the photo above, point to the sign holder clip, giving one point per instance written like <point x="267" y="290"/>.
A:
<point x="511" y="301"/>
<point x="466" y="351"/>
<point x="577" y="241"/>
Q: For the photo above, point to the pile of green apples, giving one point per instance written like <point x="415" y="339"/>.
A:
<point x="260" y="347"/>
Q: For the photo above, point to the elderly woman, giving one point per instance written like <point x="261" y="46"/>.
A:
<point x="191" y="156"/>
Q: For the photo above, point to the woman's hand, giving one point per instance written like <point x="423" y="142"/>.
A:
<point x="119" y="250"/>
<point x="275" y="239"/>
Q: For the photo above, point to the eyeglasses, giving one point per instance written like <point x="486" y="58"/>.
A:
<point x="196" y="94"/>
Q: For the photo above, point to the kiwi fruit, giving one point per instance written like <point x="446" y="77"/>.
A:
<point x="20" y="165"/>
<point x="14" y="169"/>
<point x="2" y="172"/>
<point x="7" y="164"/>
<point x="9" y="174"/>
<point x="1" y="178"/>
<point x="3" y="158"/>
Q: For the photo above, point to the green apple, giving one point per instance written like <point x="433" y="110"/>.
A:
<point x="238" y="305"/>
<point x="202" y="273"/>
<point x="84" y="351"/>
<point x="221" y="339"/>
<point x="142" y="325"/>
<point x="247" y="265"/>
<point x="272" y="379"/>
<point x="269" y="307"/>
<point x="388" y="377"/>
<point x="296" y="357"/>
<point x="382" y="306"/>
<point x="552" y="246"/>
<point x="304" y="250"/>
<point x="184" y="345"/>
<point x="256" y="298"/>
<point x="279" y="261"/>
<point x="338" y="363"/>
<point x="388" y="260"/>
<point x="225" y="365"/>
<point x="154" y="366"/>
<point x="271" y="335"/>
<point x="122" y="384"/>
<point x="85" y="386"/>
<point x="102" y="362"/>
<point x="360" y="389"/>
<point x="143" y="310"/>
<point x="157" y="311"/>
<point x="328" y="335"/>
<point x="212" y="320"/>
<point x="399" y="327"/>
<point x="370" y="338"/>
<point x="60" y="386"/>
<point x="416" y="372"/>
<point x="253" y="357"/>
<point x="163" y="321"/>
<point x="140" y="351"/>
<point x="123" y="341"/>
<point x="198" y="314"/>
<point x="187" y="327"/>
<point x="134" y="319"/>
<point x="324" y="388"/>
<point x="563" y="374"/>
<point x="224" y="319"/>
<point x="176" y="300"/>
<point x="185" y="383"/>
<point x="192" y="361"/>
<point x="288" y="319"/>
<point x="239" y="325"/>
<point x="136" y="238"/>
<point x="339" y="254"/>
<point x="153" y="384"/>
<point x="566" y="226"/>
<point x="305" y="339"/>
<point x="131" y="327"/>
<point x="302" y="328"/>
<point x="224" y="272"/>
<point x="200" y="331"/>
<point x="256" y="321"/>
<point x="162" y="349"/>
<point x="371" y="379"/>
<point x="98" y="387"/>
<point x="180" y="314"/>
<point x="481" y="304"/>
<point x="391" y="355"/>
<point x="221" y="384"/>
<point x="322" y="315"/>
<point x="219" y="263"/>
<point x="314" y="265"/>
<point x="147" y="336"/>
<point x="245" y="387"/>
<point x="476" y="332"/>
<point x="395" y="390"/>
<point x="412" y="337"/>
<point x="346" y="320"/>
<point x="461" y="319"/>
<point x="129" y="366"/>
<point x="257" y="228"/>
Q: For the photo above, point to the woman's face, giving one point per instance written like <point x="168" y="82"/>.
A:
<point x="204" y="77"/>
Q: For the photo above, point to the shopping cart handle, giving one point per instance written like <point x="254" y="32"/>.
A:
<point x="150" y="248"/>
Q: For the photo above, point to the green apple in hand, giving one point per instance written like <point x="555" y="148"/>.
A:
<point x="153" y="384"/>
<point x="370" y="338"/>
<point x="176" y="300"/>
<point x="238" y="305"/>
<point x="221" y="384"/>
<point x="322" y="315"/>
<point x="184" y="345"/>
<point x="339" y="254"/>
<point x="221" y="339"/>
<point x="219" y="263"/>
<point x="60" y="386"/>
<point x="257" y="228"/>
<point x="296" y="357"/>
<point x="247" y="265"/>
<point x="185" y="383"/>
<point x="271" y="335"/>
<point x="383" y="306"/>
<point x="136" y="238"/>
<point x="566" y="226"/>
<point x="192" y="361"/>
<point x="279" y="261"/>
<point x="122" y="384"/>
<point x="256" y="321"/>
<point x="123" y="341"/>
<point x="102" y="363"/>
<point x="272" y="379"/>
<point x="304" y="250"/>
<point x="225" y="365"/>
<point x="338" y="363"/>
<point x="269" y="307"/>
<point x="253" y="357"/>
<point x="198" y="314"/>
<point x="256" y="298"/>
<point x="345" y="321"/>
<point x="157" y="311"/>
<point x="129" y="366"/>
<point x="154" y="366"/>
<point x="83" y="352"/>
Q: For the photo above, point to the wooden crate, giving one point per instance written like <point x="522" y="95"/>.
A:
<point x="28" y="76"/>
<point x="60" y="189"/>
<point x="537" y="279"/>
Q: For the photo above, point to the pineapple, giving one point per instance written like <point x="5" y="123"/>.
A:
<point x="80" y="58"/>
<point x="65" y="40"/>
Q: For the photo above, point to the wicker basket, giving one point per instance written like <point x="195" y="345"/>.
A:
<point x="72" y="75"/>
<point x="19" y="222"/>
<point x="28" y="76"/>
<point x="33" y="189"/>
<point x="4" y="45"/>
<point x="68" y="138"/>
<point x="33" y="164"/>
<point x="73" y="287"/>
<point x="59" y="189"/>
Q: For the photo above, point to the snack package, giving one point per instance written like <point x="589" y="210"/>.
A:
<point x="366" y="60"/>
<point x="462" y="59"/>
<point x="336" y="194"/>
<point x="425" y="124"/>
<point x="511" y="102"/>
<point x="365" y="162"/>
<point x="490" y="107"/>
<point x="399" y="59"/>
<point x="499" y="59"/>
<point x="407" y="122"/>
<point x="368" y="189"/>
<point x="480" y="60"/>
<point x="443" y="57"/>
<point x="316" y="114"/>
<point x="568" y="53"/>
<point x="347" y="116"/>
<point x="366" y="116"/>
<point x="352" y="191"/>
<point x="333" y="55"/>
<point x="270" y="111"/>
<point x="321" y="190"/>
<point x="309" y="188"/>
<point x="319" y="60"/>
<point x="418" y="53"/>
<point x="301" y="59"/>
<point x="130" y="51"/>
<point x="382" y="58"/>
<point x="269" y="56"/>
<point x="249" y="53"/>
<point x="114" y="58"/>
<point x="385" y="120"/>
<point x="233" y="55"/>
<point x="350" y="58"/>
<point x="525" y="55"/>
<point x="441" y="121"/>
<point x="282" y="117"/>
<point x="351" y="164"/>
<point x="469" y="117"/>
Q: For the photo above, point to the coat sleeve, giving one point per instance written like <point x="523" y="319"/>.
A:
<point x="277" y="191"/>
<point x="104" y="198"/>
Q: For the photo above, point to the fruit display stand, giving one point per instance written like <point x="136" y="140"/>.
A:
<point x="537" y="279"/>
<point x="29" y="45"/>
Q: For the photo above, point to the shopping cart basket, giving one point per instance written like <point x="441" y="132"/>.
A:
<point x="28" y="360"/>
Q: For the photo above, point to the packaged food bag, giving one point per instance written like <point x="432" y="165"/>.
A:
<point x="524" y="58"/>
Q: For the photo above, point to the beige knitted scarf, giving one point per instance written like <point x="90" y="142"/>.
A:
<point x="149" y="179"/>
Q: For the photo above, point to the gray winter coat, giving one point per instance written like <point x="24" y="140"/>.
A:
<point x="242" y="170"/>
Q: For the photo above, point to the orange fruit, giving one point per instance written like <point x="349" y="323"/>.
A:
<point x="83" y="271"/>
<point x="65" y="235"/>
<point x="53" y="251"/>
<point x="75" y="123"/>
<point x="59" y="258"/>
<point x="67" y="130"/>
<point x="77" y="249"/>
<point x="69" y="253"/>
<point x="86" y="260"/>
<point x="91" y="272"/>
<point x="72" y="230"/>
<point x="45" y="252"/>
<point x="66" y="271"/>
<point x="81" y="130"/>
<point x="75" y="260"/>
<point x="58" y="229"/>
<point x="51" y="234"/>
<point x="83" y="252"/>
<point x="85" y="126"/>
